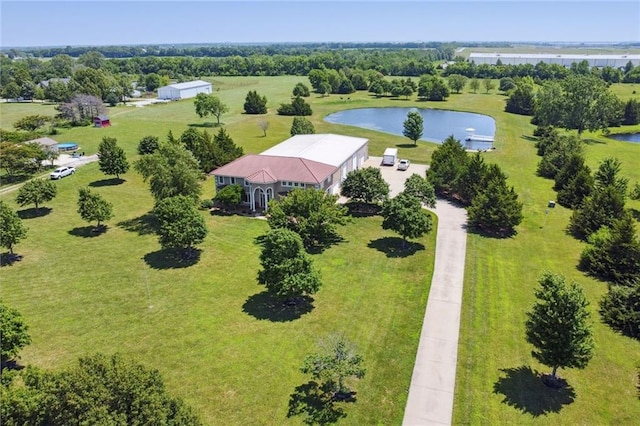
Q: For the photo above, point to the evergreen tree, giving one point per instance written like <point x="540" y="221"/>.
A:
<point x="620" y="309"/>
<point x="522" y="99"/>
<point x="472" y="179"/>
<point x="111" y="158"/>
<point x="286" y="269"/>
<point x="631" y="112"/>
<point x="558" y="325"/>
<point x="557" y="154"/>
<point x="225" y="149"/>
<point x="203" y="148"/>
<point x="496" y="208"/>
<point x="608" y="175"/>
<point x="302" y="90"/>
<point x="597" y="210"/>
<point x="577" y="189"/>
<point x="302" y="126"/>
<point x="255" y="104"/>
<point x="614" y="254"/>
<point x="148" y="145"/>
<point x="447" y="164"/>
<point x="569" y="170"/>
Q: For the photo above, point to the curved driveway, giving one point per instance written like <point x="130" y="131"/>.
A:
<point x="431" y="392"/>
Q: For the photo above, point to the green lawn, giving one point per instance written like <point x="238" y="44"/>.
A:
<point x="209" y="327"/>
<point x="86" y="294"/>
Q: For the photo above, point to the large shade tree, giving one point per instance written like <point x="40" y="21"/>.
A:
<point x="208" y="104"/>
<point x="14" y="333"/>
<point x="12" y="231"/>
<point x="365" y="185"/>
<point x="404" y="215"/>
<point x="581" y="102"/>
<point x="36" y="191"/>
<point x="558" y="325"/>
<point x="181" y="225"/>
<point x="92" y="207"/>
<point x="419" y="187"/>
<point x="171" y="170"/>
<point x="97" y="390"/>
<point x="312" y="213"/>
<point x="413" y="126"/>
<point x="286" y="268"/>
<point x="112" y="159"/>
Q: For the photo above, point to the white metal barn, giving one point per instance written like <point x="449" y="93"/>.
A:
<point x="615" y="61"/>
<point x="185" y="90"/>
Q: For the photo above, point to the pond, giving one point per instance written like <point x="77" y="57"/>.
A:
<point x="628" y="137"/>
<point x="438" y="124"/>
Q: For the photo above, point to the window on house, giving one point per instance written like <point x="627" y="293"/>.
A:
<point x="220" y="180"/>
<point x="246" y="182"/>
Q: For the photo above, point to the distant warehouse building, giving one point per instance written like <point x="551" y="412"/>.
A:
<point x="185" y="90"/>
<point x="614" y="61"/>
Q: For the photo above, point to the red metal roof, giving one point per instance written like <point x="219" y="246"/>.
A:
<point x="269" y="169"/>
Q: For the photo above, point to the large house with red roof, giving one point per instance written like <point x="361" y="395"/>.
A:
<point x="319" y="161"/>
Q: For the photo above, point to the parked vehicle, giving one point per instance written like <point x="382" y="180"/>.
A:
<point x="390" y="156"/>
<point x="61" y="172"/>
<point x="403" y="164"/>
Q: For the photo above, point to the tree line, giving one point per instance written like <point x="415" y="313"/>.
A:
<point x="601" y="219"/>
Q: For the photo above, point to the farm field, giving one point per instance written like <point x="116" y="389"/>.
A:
<point x="207" y="329"/>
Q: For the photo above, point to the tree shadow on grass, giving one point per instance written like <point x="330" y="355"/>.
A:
<point x="492" y="233"/>
<point x="11" y="365"/>
<point x="636" y="214"/>
<point x="88" y="231"/>
<point x="33" y="213"/>
<point x="208" y="124"/>
<point x="8" y="259"/>
<point x="107" y="182"/>
<point x="406" y="145"/>
<point x="524" y="390"/>
<point x="315" y="404"/>
<point x="393" y="246"/>
<point x="268" y="306"/>
<point x="593" y="142"/>
<point x="172" y="258"/>
<point x="143" y="225"/>
<point x="357" y="209"/>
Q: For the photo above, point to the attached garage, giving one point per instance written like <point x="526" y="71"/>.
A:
<point x="189" y="89"/>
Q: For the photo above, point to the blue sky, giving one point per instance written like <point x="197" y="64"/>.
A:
<point x="91" y="22"/>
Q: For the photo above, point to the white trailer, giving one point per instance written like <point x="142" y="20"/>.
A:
<point x="390" y="156"/>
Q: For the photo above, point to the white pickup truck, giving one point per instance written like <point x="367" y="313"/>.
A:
<point x="61" y="172"/>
